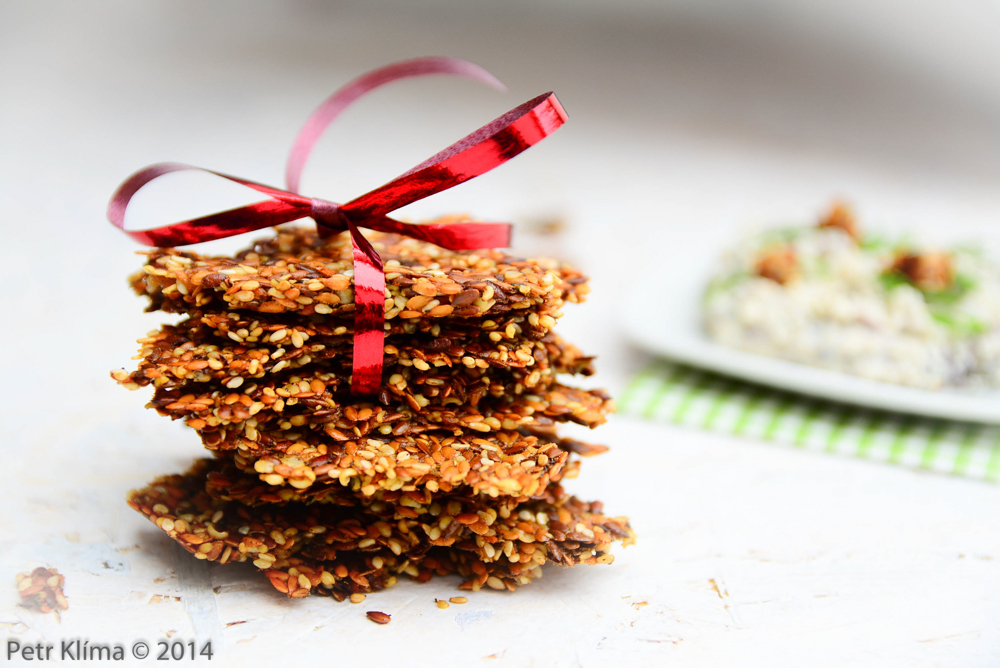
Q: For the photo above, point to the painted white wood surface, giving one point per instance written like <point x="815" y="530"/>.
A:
<point x="748" y="554"/>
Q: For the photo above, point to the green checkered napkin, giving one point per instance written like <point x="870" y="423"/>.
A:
<point x="692" y="398"/>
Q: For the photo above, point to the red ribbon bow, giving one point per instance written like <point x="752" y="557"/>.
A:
<point x="486" y="148"/>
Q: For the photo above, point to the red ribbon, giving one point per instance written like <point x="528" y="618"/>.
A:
<point x="486" y="148"/>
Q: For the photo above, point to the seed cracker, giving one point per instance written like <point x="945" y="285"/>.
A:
<point x="177" y="355"/>
<point x="227" y="482"/>
<point x="500" y="463"/>
<point x="297" y="271"/>
<point x="568" y="531"/>
<point x="302" y="576"/>
<point x="255" y="327"/>
<point x="309" y="400"/>
<point x="363" y="574"/>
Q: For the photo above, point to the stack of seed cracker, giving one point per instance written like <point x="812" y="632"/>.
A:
<point x="455" y="467"/>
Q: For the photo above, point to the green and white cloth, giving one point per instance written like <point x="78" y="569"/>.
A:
<point x="690" y="397"/>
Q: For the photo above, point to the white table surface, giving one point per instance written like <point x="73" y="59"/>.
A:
<point x="748" y="554"/>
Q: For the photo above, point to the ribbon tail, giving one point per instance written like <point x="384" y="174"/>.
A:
<point x="453" y="236"/>
<point x="325" y="232"/>
<point x="369" y="315"/>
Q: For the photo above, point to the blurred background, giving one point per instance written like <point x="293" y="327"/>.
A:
<point x="685" y="116"/>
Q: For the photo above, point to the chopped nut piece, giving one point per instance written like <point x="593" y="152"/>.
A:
<point x="779" y="264"/>
<point x="928" y="271"/>
<point x="841" y="216"/>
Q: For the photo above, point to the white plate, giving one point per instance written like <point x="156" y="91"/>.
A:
<point x="670" y="326"/>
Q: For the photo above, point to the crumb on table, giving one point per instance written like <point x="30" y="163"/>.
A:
<point x="42" y="590"/>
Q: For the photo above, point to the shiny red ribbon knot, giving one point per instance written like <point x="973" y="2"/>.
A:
<point x="486" y="148"/>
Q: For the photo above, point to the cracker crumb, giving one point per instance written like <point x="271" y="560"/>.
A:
<point x="42" y="590"/>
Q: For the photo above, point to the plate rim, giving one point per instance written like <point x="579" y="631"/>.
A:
<point x="699" y="351"/>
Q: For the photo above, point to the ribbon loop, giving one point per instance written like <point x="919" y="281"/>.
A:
<point x="486" y="148"/>
<point x="283" y="207"/>
<point x="331" y="107"/>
